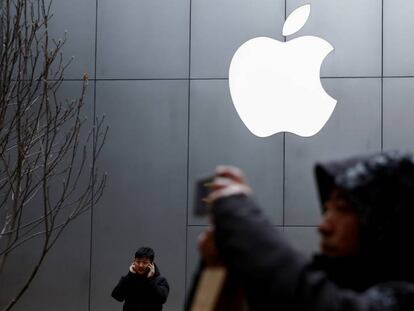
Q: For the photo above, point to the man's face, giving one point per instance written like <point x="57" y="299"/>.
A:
<point x="339" y="227"/>
<point x="142" y="265"/>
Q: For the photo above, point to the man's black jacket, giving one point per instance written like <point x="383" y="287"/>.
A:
<point x="141" y="293"/>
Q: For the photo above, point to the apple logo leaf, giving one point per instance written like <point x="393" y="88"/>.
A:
<point x="296" y="20"/>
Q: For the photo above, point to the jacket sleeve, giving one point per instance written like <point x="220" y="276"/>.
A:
<point x="253" y="250"/>
<point x="271" y="272"/>
<point x="121" y="289"/>
<point x="160" y="287"/>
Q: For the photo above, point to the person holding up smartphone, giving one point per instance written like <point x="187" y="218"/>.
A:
<point x="366" y="251"/>
<point x="143" y="288"/>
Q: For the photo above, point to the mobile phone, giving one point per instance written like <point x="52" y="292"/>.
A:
<point x="148" y="269"/>
<point x="202" y="190"/>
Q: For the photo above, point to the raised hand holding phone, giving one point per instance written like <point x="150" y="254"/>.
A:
<point x="151" y="270"/>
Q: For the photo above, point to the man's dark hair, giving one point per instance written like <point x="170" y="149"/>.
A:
<point x="145" y="252"/>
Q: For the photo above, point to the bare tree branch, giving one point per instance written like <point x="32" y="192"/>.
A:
<point x="47" y="172"/>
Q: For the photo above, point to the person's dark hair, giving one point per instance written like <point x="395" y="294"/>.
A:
<point x="145" y="252"/>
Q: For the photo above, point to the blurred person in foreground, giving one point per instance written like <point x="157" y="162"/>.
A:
<point x="143" y="288"/>
<point x="367" y="240"/>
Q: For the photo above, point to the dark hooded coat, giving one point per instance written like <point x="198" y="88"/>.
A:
<point x="141" y="293"/>
<point x="380" y="277"/>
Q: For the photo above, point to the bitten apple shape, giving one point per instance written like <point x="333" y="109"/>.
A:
<point x="275" y="86"/>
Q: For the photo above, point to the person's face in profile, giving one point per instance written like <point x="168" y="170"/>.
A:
<point x="142" y="265"/>
<point x="340" y="227"/>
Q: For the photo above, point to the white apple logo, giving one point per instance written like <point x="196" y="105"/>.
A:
<point x="275" y="86"/>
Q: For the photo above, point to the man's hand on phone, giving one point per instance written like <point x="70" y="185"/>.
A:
<point x="151" y="270"/>
<point x="132" y="267"/>
<point x="228" y="180"/>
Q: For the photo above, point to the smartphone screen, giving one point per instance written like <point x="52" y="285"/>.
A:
<point x="201" y="191"/>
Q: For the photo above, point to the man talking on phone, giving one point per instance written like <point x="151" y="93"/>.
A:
<point x="143" y="288"/>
